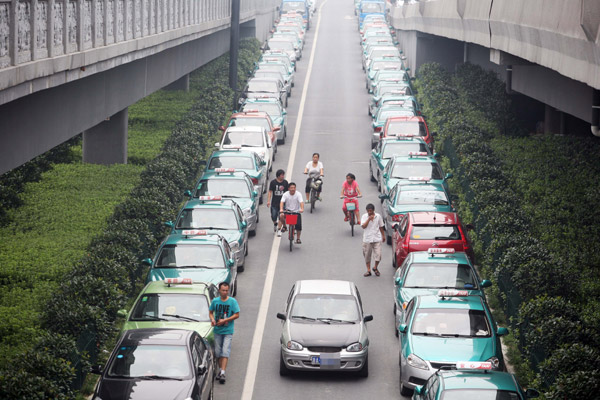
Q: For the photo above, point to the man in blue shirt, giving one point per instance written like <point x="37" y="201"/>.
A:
<point x="223" y="311"/>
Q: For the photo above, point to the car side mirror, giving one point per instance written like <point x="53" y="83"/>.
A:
<point x="244" y="224"/>
<point x="222" y="128"/>
<point x="368" y="318"/>
<point x="448" y="176"/>
<point x="230" y="262"/>
<point x="385" y="175"/>
<point x="96" y="369"/>
<point x="419" y="390"/>
<point x="284" y="112"/>
<point x="433" y="134"/>
<point x="169" y="224"/>
<point x="436" y="155"/>
<point x="402" y="328"/>
<point x="201" y="369"/>
<point x="263" y="162"/>
<point x="486" y="283"/>
<point x="217" y="145"/>
<point x="383" y="196"/>
<point x="281" y="316"/>
<point x="470" y="227"/>
<point x="254" y="193"/>
<point x="395" y="227"/>
<point x="502" y="331"/>
<point x="147" y="261"/>
<point x="188" y="193"/>
<point x="122" y="313"/>
<point x="532" y="393"/>
<point x="398" y="281"/>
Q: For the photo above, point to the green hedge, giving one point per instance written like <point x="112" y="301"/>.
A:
<point x="82" y="309"/>
<point x="524" y="226"/>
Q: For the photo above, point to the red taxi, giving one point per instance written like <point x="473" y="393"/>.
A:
<point x="416" y="125"/>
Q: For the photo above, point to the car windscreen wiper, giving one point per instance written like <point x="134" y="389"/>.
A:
<point x="343" y="321"/>
<point x="214" y="228"/>
<point x="229" y="196"/>
<point x="145" y="317"/>
<point x="193" y="266"/>
<point x="302" y="317"/>
<point x="426" y="334"/>
<point x="159" y="377"/>
<point x="181" y="317"/>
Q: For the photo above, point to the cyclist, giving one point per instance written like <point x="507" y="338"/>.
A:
<point x="277" y="188"/>
<point x="350" y="193"/>
<point x="291" y="201"/>
<point x="314" y="169"/>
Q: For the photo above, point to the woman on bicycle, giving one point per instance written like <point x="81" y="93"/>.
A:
<point x="350" y="193"/>
<point x="314" y="169"/>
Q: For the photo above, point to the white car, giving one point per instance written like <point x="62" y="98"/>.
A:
<point x="253" y="138"/>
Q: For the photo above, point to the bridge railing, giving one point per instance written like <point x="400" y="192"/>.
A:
<point x="32" y="30"/>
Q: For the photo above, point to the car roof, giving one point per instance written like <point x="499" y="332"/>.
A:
<point x="146" y="336"/>
<point x="402" y="139"/>
<point x="415" y="118"/>
<point x="324" y="286"/>
<point x="197" y="203"/>
<point x="418" y="159"/>
<point x="249" y="128"/>
<point x="422" y="257"/>
<point x="262" y="100"/>
<point x="467" y="379"/>
<point x="249" y="114"/>
<point x="161" y="287"/>
<point x="232" y="153"/>
<point x="437" y="218"/>
<point x="184" y="239"/>
<point x="421" y="186"/>
<point x="473" y="302"/>
<point x="212" y="174"/>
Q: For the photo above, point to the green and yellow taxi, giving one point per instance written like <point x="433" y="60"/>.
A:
<point x="218" y="216"/>
<point x="426" y="272"/>
<point x="423" y="196"/>
<point x="415" y="167"/>
<point x="275" y="111"/>
<point x="196" y="255"/>
<point x="177" y="303"/>
<point x="394" y="86"/>
<point x="241" y="160"/>
<point x="382" y="74"/>
<point x="387" y="148"/>
<point x="439" y="330"/>
<point x="386" y="63"/>
<point x="472" y="381"/>
<point x="231" y="184"/>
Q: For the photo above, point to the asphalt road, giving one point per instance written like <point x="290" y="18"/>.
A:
<point x="334" y="123"/>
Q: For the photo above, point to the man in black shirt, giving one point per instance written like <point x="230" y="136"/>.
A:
<point x="277" y="188"/>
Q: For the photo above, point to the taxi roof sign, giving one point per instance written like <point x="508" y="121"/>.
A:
<point x="417" y="153"/>
<point x="224" y="169"/>
<point x="452" y="293"/>
<point x="405" y="135"/>
<point x="484" y="365"/>
<point x="419" y="178"/>
<point x="205" y="198"/>
<point x="178" y="281"/>
<point x="231" y="146"/>
<point x="440" y="250"/>
<point x="194" y="232"/>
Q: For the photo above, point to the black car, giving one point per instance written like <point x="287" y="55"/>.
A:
<point x="157" y="363"/>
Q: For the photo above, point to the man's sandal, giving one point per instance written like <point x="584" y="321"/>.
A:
<point x="368" y="273"/>
<point x="376" y="271"/>
<point x="298" y="241"/>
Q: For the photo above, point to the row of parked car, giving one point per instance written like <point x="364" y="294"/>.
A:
<point x="165" y="350"/>
<point x="449" y="342"/>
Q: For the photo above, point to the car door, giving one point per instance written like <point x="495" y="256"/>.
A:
<point x="204" y="367"/>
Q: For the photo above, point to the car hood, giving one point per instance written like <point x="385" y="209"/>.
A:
<point x="406" y="294"/>
<point x="404" y="208"/>
<point x="452" y="349"/>
<point x="335" y="335"/>
<point x="229" y="235"/>
<point x="214" y="276"/>
<point x="132" y="389"/>
<point x="204" y="329"/>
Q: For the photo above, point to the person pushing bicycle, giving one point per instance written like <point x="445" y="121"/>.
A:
<point x="291" y="201"/>
<point x="350" y="194"/>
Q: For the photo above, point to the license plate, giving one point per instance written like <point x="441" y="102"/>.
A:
<point x="315" y="360"/>
<point x="327" y="360"/>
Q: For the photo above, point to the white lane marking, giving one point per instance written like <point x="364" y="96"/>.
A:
<point x="261" y="319"/>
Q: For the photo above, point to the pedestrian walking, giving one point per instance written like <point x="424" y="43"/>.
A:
<point x="373" y="235"/>
<point x="223" y="311"/>
<point x="277" y="188"/>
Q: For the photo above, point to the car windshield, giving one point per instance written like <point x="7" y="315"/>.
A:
<point x="431" y="197"/>
<point x="262" y="86"/>
<point x="287" y="6"/>
<point x="421" y="169"/>
<point x="240" y="121"/>
<point x="372" y="7"/>
<point x="171" y="307"/>
<point x="401" y="148"/>
<point x="377" y="65"/>
<point x="248" y="138"/>
<point x="272" y="109"/>
<point x="479" y="394"/>
<point x="179" y="256"/>
<point x="435" y="232"/>
<point x="269" y="74"/>
<point x="280" y="69"/>
<point x="150" y="360"/>
<point x="280" y="45"/>
<point x="409" y="127"/>
<point x="226" y="188"/>
<point x="394" y="89"/>
<point x="207" y="218"/>
<point x="451" y="322"/>
<point x="231" y="162"/>
<point x="440" y="276"/>
<point x="324" y="306"/>
<point x="383" y="52"/>
<point x="383" y="115"/>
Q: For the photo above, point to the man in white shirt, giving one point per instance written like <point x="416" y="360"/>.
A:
<point x="373" y="235"/>
<point x="291" y="201"/>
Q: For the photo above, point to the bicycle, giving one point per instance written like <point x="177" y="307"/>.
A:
<point x="315" y="184"/>
<point x="350" y="214"/>
<point x="291" y="219"/>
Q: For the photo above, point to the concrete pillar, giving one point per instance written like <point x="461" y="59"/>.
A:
<point x="552" y="120"/>
<point x="182" y="83"/>
<point x="106" y="143"/>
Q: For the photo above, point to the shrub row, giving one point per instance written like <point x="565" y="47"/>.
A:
<point x="83" y="308"/>
<point x="539" y="290"/>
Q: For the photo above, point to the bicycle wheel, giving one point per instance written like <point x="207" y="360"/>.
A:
<point x="291" y="236"/>
<point x="313" y="199"/>
<point x="352" y="222"/>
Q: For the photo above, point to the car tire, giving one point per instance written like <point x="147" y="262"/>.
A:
<point x="234" y="292"/>
<point x="252" y="233"/>
<point x="364" y="372"/>
<point x="388" y="239"/>
<point x="371" y="173"/>
<point x="404" y="391"/>
<point x="211" y="393"/>
<point x="246" y="251"/>
<point x="283" y="370"/>
<point x="394" y="262"/>
<point x="260" y="199"/>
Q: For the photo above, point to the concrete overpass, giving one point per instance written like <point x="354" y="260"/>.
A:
<point x="73" y="66"/>
<point x="547" y="50"/>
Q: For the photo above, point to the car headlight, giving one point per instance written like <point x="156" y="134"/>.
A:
<point x="417" y="362"/>
<point x="355" y="347"/>
<point x="495" y="362"/>
<point x="291" y="345"/>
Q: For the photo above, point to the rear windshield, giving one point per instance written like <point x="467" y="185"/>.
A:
<point x="231" y="162"/>
<point x="435" y="232"/>
<point x="263" y="86"/>
<point x="410" y="127"/>
<point x="440" y="276"/>
<point x="207" y="218"/>
<point x="262" y="122"/>
<point x="479" y="394"/>
<point x="403" y="148"/>
<point x="226" y="188"/>
<point x="451" y="323"/>
<point x="181" y="256"/>
<point x="415" y="197"/>
<point x="406" y="170"/>
<point x="372" y="7"/>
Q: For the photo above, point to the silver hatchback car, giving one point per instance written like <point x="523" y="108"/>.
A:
<point x="324" y="328"/>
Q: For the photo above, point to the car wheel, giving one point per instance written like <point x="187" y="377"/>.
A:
<point x="246" y="251"/>
<point x="364" y="372"/>
<point x="371" y="173"/>
<point x="394" y="262"/>
<point x="234" y="288"/>
<point x="283" y="371"/>
<point x="260" y="199"/>
<point x="210" y="394"/>
<point x="388" y="239"/>
<point x="404" y="391"/>
<point x="252" y="233"/>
